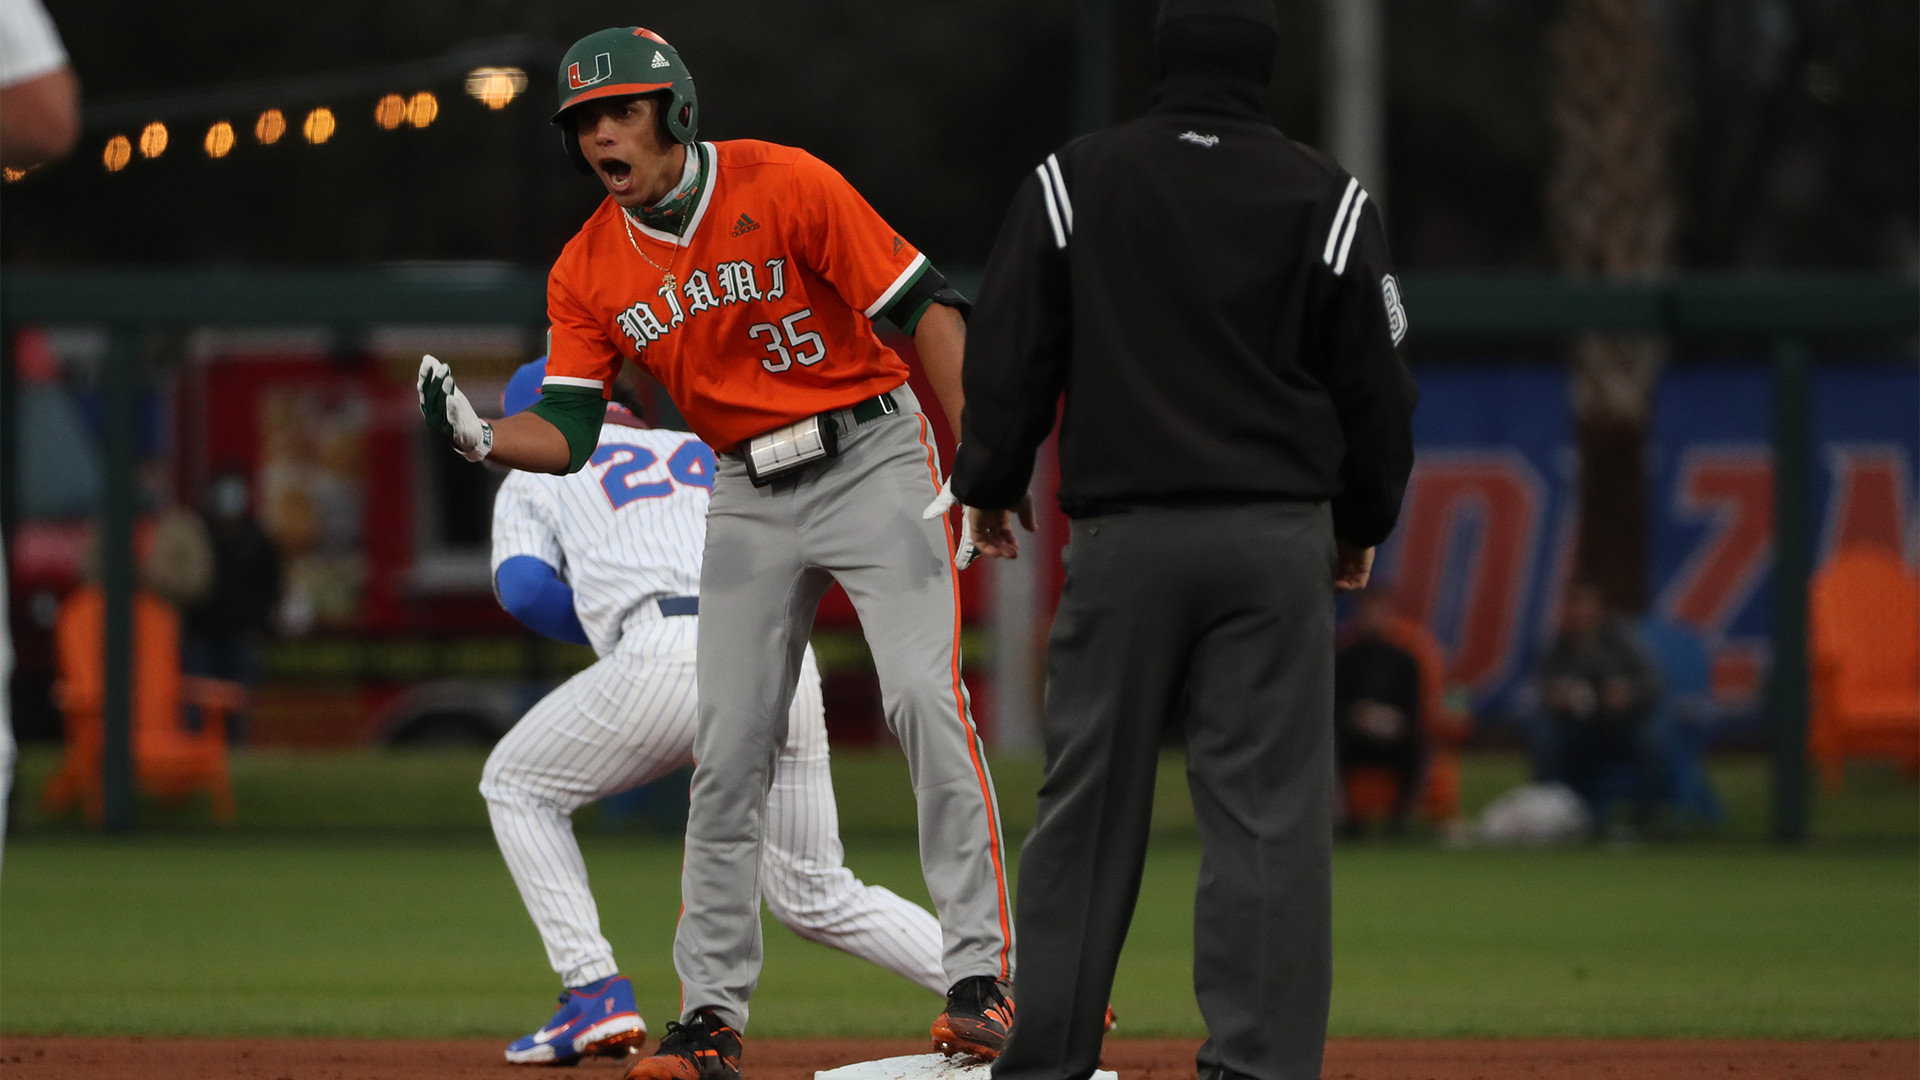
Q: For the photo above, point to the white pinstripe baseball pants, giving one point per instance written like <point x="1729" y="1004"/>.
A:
<point x="630" y="719"/>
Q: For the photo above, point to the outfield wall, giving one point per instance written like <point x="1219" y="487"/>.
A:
<point x="1486" y="536"/>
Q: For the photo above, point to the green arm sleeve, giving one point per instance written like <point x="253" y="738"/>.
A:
<point x="577" y="412"/>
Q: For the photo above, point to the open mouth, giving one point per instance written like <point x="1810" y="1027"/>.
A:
<point x="618" y="174"/>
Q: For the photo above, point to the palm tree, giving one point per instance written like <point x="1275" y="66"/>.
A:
<point x="1611" y="208"/>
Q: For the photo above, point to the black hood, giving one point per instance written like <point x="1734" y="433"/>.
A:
<point x="1216" y="56"/>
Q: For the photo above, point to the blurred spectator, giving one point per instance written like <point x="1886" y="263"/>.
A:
<point x="39" y="96"/>
<point x="1380" y="707"/>
<point x="1683" y="720"/>
<point x="1597" y="690"/>
<point x="1363" y="669"/>
<point x="226" y="626"/>
<point x="179" y="562"/>
<point x="172" y="554"/>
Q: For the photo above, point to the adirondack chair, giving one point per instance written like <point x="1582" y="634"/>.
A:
<point x="1865" y="656"/>
<point x="179" y="722"/>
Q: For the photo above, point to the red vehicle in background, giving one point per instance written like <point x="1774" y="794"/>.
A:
<point x="387" y="629"/>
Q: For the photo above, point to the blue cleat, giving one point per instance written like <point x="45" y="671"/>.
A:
<point x="598" y="1019"/>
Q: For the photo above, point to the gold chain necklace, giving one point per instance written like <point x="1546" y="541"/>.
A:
<point x="668" y="282"/>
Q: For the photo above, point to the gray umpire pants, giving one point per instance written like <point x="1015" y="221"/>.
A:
<point x="771" y="554"/>
<point x="1220" y="619"/>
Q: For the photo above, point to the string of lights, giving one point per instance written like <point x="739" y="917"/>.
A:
<point x="146" y="126"/>
<point x="493" y="87"/>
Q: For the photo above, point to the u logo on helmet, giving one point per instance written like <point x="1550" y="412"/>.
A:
<point x="602" y="71"/>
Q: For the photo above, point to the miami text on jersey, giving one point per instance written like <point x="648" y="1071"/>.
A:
<point x="729" y="283"/>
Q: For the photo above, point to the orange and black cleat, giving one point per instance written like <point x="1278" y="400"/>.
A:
<point x="703" y="1048"/>
<point x="978" y="1016"/>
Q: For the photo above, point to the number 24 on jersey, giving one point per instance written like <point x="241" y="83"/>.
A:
<point x="635" y="473"/>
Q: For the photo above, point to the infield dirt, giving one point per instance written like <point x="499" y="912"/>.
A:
<point x="24" y="1057"/>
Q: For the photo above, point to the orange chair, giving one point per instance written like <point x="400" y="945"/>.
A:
<point x="1371" y="791"/>
<point x="170" y="758"/>
<point x="1864" y="616"/>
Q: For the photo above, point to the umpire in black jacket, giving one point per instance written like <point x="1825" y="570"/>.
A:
<point x="1216" y="303"/>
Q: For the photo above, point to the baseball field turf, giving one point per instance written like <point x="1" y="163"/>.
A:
<point x="360" y="895"/>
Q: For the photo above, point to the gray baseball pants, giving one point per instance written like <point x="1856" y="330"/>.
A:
<point x="1218" y="619"/>
<point x="771" y="554"/>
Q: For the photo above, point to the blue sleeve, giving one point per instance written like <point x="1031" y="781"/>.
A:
<point x="532" y="592"/>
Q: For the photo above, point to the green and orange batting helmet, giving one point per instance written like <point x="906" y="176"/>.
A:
<point x="622" y="62"/>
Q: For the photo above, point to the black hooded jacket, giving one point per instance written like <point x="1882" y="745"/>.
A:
<point x="1215" y="301"/>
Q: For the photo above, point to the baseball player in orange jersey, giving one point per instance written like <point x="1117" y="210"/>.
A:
<point x="744" y="277"/>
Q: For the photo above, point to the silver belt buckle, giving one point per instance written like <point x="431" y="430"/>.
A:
<point x="785" y="449"/>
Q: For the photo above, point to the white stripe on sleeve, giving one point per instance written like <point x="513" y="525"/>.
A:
<point x="1053" y="209"/>
<point x="1353" y="227"/>
<point x="899" y="283"/>
<point x="1339" y="219"/>
<point x="1060" y="188"/>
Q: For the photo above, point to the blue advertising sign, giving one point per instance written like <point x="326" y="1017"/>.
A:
<point x="1485" y="543"/>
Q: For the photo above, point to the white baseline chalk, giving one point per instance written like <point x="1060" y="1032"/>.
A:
<point x="922" y="1067"/>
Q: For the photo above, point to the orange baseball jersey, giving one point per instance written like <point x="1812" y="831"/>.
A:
<point x="758" y="316"/>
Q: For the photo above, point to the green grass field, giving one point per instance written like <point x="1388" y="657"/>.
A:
<point x="360" y="895"/>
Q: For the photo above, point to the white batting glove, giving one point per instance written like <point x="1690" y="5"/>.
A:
<point x="448" y="412"/>
<point x="941" y="505"/>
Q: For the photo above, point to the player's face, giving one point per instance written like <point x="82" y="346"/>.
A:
<point x="621" y="140"/>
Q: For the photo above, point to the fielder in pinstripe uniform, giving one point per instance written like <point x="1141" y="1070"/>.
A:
<point x="610" y="556"/>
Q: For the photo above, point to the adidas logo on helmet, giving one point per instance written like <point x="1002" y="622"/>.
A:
<point x="660" y="61"/>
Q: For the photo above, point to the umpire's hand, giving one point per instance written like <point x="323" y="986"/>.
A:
<point x="1352" y="567"/>
<point x="993" y="533"/>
